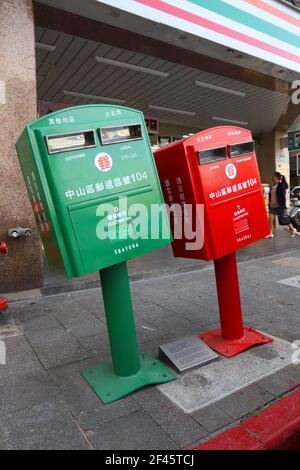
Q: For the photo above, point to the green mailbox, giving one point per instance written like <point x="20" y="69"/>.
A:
<point x="95" y="193"/>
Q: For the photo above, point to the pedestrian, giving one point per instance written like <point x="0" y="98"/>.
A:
<point x="277" y="203"/>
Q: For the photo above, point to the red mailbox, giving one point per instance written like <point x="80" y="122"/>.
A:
<point x="215" y="172"/>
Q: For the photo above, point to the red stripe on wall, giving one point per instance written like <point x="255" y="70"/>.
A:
<point x="274" y="11"/>
<point x="217" y="28"/>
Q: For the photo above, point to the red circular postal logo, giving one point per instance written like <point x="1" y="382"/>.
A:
<point x="103" y="162"/>
<point x="231" y="171"/>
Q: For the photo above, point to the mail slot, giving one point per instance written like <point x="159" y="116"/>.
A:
<point x="218" y="169"/>
<point x="76" y="161"/>
<point x="215" y="173"/>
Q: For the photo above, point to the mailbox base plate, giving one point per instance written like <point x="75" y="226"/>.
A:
<point x="231" y="348"/>
<point x="111" y="387"/>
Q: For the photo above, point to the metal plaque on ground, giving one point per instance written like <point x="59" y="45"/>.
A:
<point x="187" y="353"/>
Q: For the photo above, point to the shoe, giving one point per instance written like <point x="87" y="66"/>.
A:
<point x="270" y="236"/>
<point x="295" y="232"/>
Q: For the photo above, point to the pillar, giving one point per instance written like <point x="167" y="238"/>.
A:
<point x="273" y="155"/>
<point x="23" y="267"/>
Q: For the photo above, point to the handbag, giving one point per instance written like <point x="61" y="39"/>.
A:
<point x="284" y="218"/>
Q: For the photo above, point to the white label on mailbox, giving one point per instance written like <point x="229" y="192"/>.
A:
<point x="103" y="162"/>
<point x="231" y="171"/>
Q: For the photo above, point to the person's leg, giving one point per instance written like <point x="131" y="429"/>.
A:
<point x="275" y="218"/>
<point x="271" y="224"/>
<point x="274" y="223"/>
<point x="293" y="230"/>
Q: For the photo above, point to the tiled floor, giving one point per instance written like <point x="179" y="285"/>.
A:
<point x="45" y="403"/>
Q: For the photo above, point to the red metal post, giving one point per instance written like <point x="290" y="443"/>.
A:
<point x="232" y="338"/>
<point x="229" y="297"/>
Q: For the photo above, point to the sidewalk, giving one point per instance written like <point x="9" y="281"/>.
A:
<point x="162" y="262"/>
<point x="45" y="404"/>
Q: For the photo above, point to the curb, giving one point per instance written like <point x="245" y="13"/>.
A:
<point x="275" y="428"/>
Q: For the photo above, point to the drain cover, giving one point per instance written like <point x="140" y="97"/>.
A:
<point x="187" y="353"/>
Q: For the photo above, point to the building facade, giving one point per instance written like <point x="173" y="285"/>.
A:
<point x="187" y="64"/>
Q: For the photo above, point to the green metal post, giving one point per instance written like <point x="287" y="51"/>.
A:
<point x="128" y="370"/>
<point x="120" y="320"/>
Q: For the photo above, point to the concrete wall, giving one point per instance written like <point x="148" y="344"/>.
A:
<point x="23" y="266"/>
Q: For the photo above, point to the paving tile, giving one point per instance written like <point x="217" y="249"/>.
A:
<point x="245" y="401"/>
<point x="56" y="347"/>
<point x="212" y="418"/>
<point x="2" y="443"/>
<point x="181" y="427"/>
<point x="47" y="426"/>
<point x="137" y="431"/>
<point x="183" y="430"/>
<point x="97" y="345"/>
<point x="288" y="332"/>
<point x="20" y="358"/>
<point x="152" y="347"/>
<point x="53" y="408"/>
<point x="157" y="405"/>
<point x="25" y="390"/>
<point x="91" y="300"/>
<point x="25" y="311"/>
<point x="45" y="325"/>
<point x="203" y="296"/>
<point x="170" y="302"/>
<point x="78" y="321"/>
<point x="9" y="327"/>
<point x="281" y="382"/>
<point x="84" y="404"/>
<point x="176" y="326"/>
<point x="149" y="311"/>
<point x="147" y="333"/>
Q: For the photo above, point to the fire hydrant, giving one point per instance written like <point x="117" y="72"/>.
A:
<point x="3" y="300"/>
